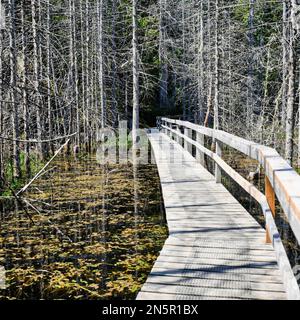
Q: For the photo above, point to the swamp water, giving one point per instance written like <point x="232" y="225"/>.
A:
<point x="95" y="233"/>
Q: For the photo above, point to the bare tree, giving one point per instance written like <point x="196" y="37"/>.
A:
<point x="135" y="71"/>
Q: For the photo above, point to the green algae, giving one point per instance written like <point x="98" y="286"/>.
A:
<point x="96" y="233"/>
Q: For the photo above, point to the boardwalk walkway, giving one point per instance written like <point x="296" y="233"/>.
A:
<point x="215" y="249"/>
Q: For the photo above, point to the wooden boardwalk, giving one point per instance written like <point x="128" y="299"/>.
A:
<point x="215" y="249"/>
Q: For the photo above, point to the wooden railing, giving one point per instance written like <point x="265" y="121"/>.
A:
<point x="281" y="181"/>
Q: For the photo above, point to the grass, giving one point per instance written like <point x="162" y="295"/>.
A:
<point x="35" y="165"/>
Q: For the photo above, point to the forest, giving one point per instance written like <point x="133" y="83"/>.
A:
<point x="71" y="67"/>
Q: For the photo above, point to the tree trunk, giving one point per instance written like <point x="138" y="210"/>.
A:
<point x="250" y="78"/>
<point x="48" y="68"/>
<point x="2" y="27"/>
<point x="299" y="122"/>
<point x="37" y="100"/>
<point x="289" y="144"/>
<point x="200" y="117"/>
<point x="209" y="74"/>
<point x="13" y="83"/>
<point x="135" y="64"/>
<point x="87" y="73"/>
<point x="114" y="107"/>
<point x="83" y="77"/>
<point x="24" y="92"/>
<point x="163" y="85"/>
<point x="284" y="63"/>
<point x="216" y="68"/>
<point x="101" y="63"/>
<point x="76" y="77"/>
<point x="71" y="69"/>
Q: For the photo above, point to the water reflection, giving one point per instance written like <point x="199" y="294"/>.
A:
<point x="96" y="232"/>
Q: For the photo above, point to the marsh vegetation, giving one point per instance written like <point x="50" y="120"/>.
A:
<point x="94" y="232"/>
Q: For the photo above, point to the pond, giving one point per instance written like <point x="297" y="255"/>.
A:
<point x="87" y="231"/>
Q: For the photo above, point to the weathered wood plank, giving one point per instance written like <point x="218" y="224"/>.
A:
<point x="209" y="255"/>
<point x="167" y="296"/>
<point x="284" y="180"/>
<point x="215" y="276"/>
<point x="215" y="250"/>
<point x="217" y="292"/>
<point x="262" y="153"/>
<point x="215" y="283"/>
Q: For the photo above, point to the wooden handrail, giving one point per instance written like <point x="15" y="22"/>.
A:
<point x="284" y="180"/>
<point x="278" y="176"/>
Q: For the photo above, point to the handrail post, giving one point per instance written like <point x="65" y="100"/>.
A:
<point x="180" y="140"/>
<point x="173" y="134"/>
<point x="199" y="154"/>
<point x="163" y="123"/>
<point x="168" y="131"/>
<point x="177" y="136"/>
<point x="158" y="123"/>
<point x="218" y="173"/>
<point x="270" y="195"/>
<point x="188" y="146"/>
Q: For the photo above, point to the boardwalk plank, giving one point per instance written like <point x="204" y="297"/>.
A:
<point x="215" y="249"/>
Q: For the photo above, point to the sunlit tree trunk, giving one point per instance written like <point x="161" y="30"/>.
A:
<point x="135" y="65"/>
<point x="101" y="63"/>
<point x="299" y="121"/>
<point x="163" y="85"/>
<point x="216" y="68"/>
<point x="250" y="78"/>
<point x="83" y="76"/>
<point x="13" y="83"/>
<point x="71" y="67"/>
<point x="24" y="90"/>
<point x="48" y="68"/>
<point x="289" y="144"/>
<point x="114" y="71"/>
<point x="2" y="26"/>
<point x="183" y="62"/>
<point x="200" y="66"/>
<point x="284" y="63"/>
<point x="87" y="72"/>
<point x="209" y="74"/>
<point x="37" y="100"/>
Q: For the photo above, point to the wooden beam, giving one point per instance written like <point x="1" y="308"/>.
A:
<point x="187" y="144"/>
<point x="284" y="180"/>
<point x="200" y="154"/>
<point x="270" y="195"/>
<point x="218" y="172"/>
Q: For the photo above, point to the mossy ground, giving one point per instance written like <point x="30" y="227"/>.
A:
<point x="96" y="233"/>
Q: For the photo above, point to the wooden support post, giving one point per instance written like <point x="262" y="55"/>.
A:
<point x="170" y="132"/>
<point x="270" y="195"/>
<point x="176" y="136"/>
<point x="218" y="173"/>
<point x="173" y="134"/>
<point x="163" y="130"/>
<point x="199" y="154"/>
<point x="180" y="140"/>
<point x="188" y="146"/>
